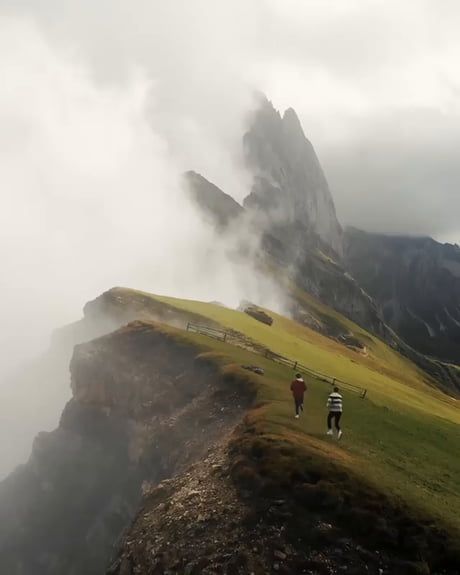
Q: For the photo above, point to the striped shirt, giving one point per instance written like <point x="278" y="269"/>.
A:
<point x="334" y="402"/>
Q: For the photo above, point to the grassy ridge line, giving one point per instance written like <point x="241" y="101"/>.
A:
<point x="393" y="380"/>
<point x="235" y="338"/>
<point x="395" y="485"/>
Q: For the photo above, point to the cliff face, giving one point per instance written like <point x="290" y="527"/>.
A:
<point x="289" y="184"/>
<point x="143" y="405"/>
<point x="416" y="285"/>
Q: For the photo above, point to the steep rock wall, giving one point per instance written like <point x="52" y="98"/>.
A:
<point x="143" y="405"/>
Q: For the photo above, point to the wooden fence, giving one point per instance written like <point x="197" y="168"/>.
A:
<point x="223" y="335"/>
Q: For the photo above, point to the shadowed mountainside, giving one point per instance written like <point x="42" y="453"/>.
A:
<point x="416" y="285"/>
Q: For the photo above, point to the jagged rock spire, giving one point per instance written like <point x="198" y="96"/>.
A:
<point x="289" y="183"/>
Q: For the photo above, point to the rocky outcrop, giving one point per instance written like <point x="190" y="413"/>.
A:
<point x="289" y="185"/>
<point x="144" y="404"/>
<point x="416" y="284"/>
<point x="259" y="314"/>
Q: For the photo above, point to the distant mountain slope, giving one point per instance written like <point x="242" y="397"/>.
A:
<point x="416" y="284"/>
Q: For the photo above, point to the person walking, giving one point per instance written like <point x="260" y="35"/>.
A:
<point x="335" y="406"/>
<point x="298" y="389"/>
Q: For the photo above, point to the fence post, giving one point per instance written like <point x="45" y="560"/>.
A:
<point x="363" y="395"/>
<point x="188" y="326"/>
<point x="225" y="336"/>
<point x="294" y="367"/>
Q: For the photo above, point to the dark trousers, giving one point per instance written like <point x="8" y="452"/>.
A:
<point x="298" y="402"/>
<point x="336" y="415"/>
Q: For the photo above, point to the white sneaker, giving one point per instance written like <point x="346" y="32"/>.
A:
<point x="297" y="416"/>
<point x="330" y="432"/>
<point x="339" y="435"/>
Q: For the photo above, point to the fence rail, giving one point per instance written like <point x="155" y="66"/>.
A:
<point x="213" y="332"/>
<point x="223" y="335"/>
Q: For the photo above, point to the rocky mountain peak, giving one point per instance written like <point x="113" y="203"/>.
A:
<point x="289" y="183"/>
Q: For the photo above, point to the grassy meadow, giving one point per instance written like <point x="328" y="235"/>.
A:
<point x="401" y="441"/>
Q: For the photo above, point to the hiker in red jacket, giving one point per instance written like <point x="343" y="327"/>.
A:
<point x="298" y="389"/>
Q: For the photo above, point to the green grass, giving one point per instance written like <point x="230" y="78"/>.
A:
<point x="403" y="440"/>
<point x="392" y="380"/>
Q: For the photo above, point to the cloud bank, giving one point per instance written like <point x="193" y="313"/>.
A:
<point x="91" y="198"/>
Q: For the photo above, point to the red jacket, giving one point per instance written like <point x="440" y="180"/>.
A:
<point x="298" y="388"/>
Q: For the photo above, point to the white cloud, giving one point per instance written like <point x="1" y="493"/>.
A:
<point x="91" y="198"/>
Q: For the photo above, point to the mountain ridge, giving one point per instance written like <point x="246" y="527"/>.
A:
<point x="283" y="205"/>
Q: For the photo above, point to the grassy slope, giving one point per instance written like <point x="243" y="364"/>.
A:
<point x="393" y="380"/>
<point x="404" y="438"/>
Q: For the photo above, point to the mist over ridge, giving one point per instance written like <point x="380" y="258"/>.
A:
<point x="92" y="198"/>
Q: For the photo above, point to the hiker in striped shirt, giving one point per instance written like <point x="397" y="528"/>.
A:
<point x="334" y="404"/>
